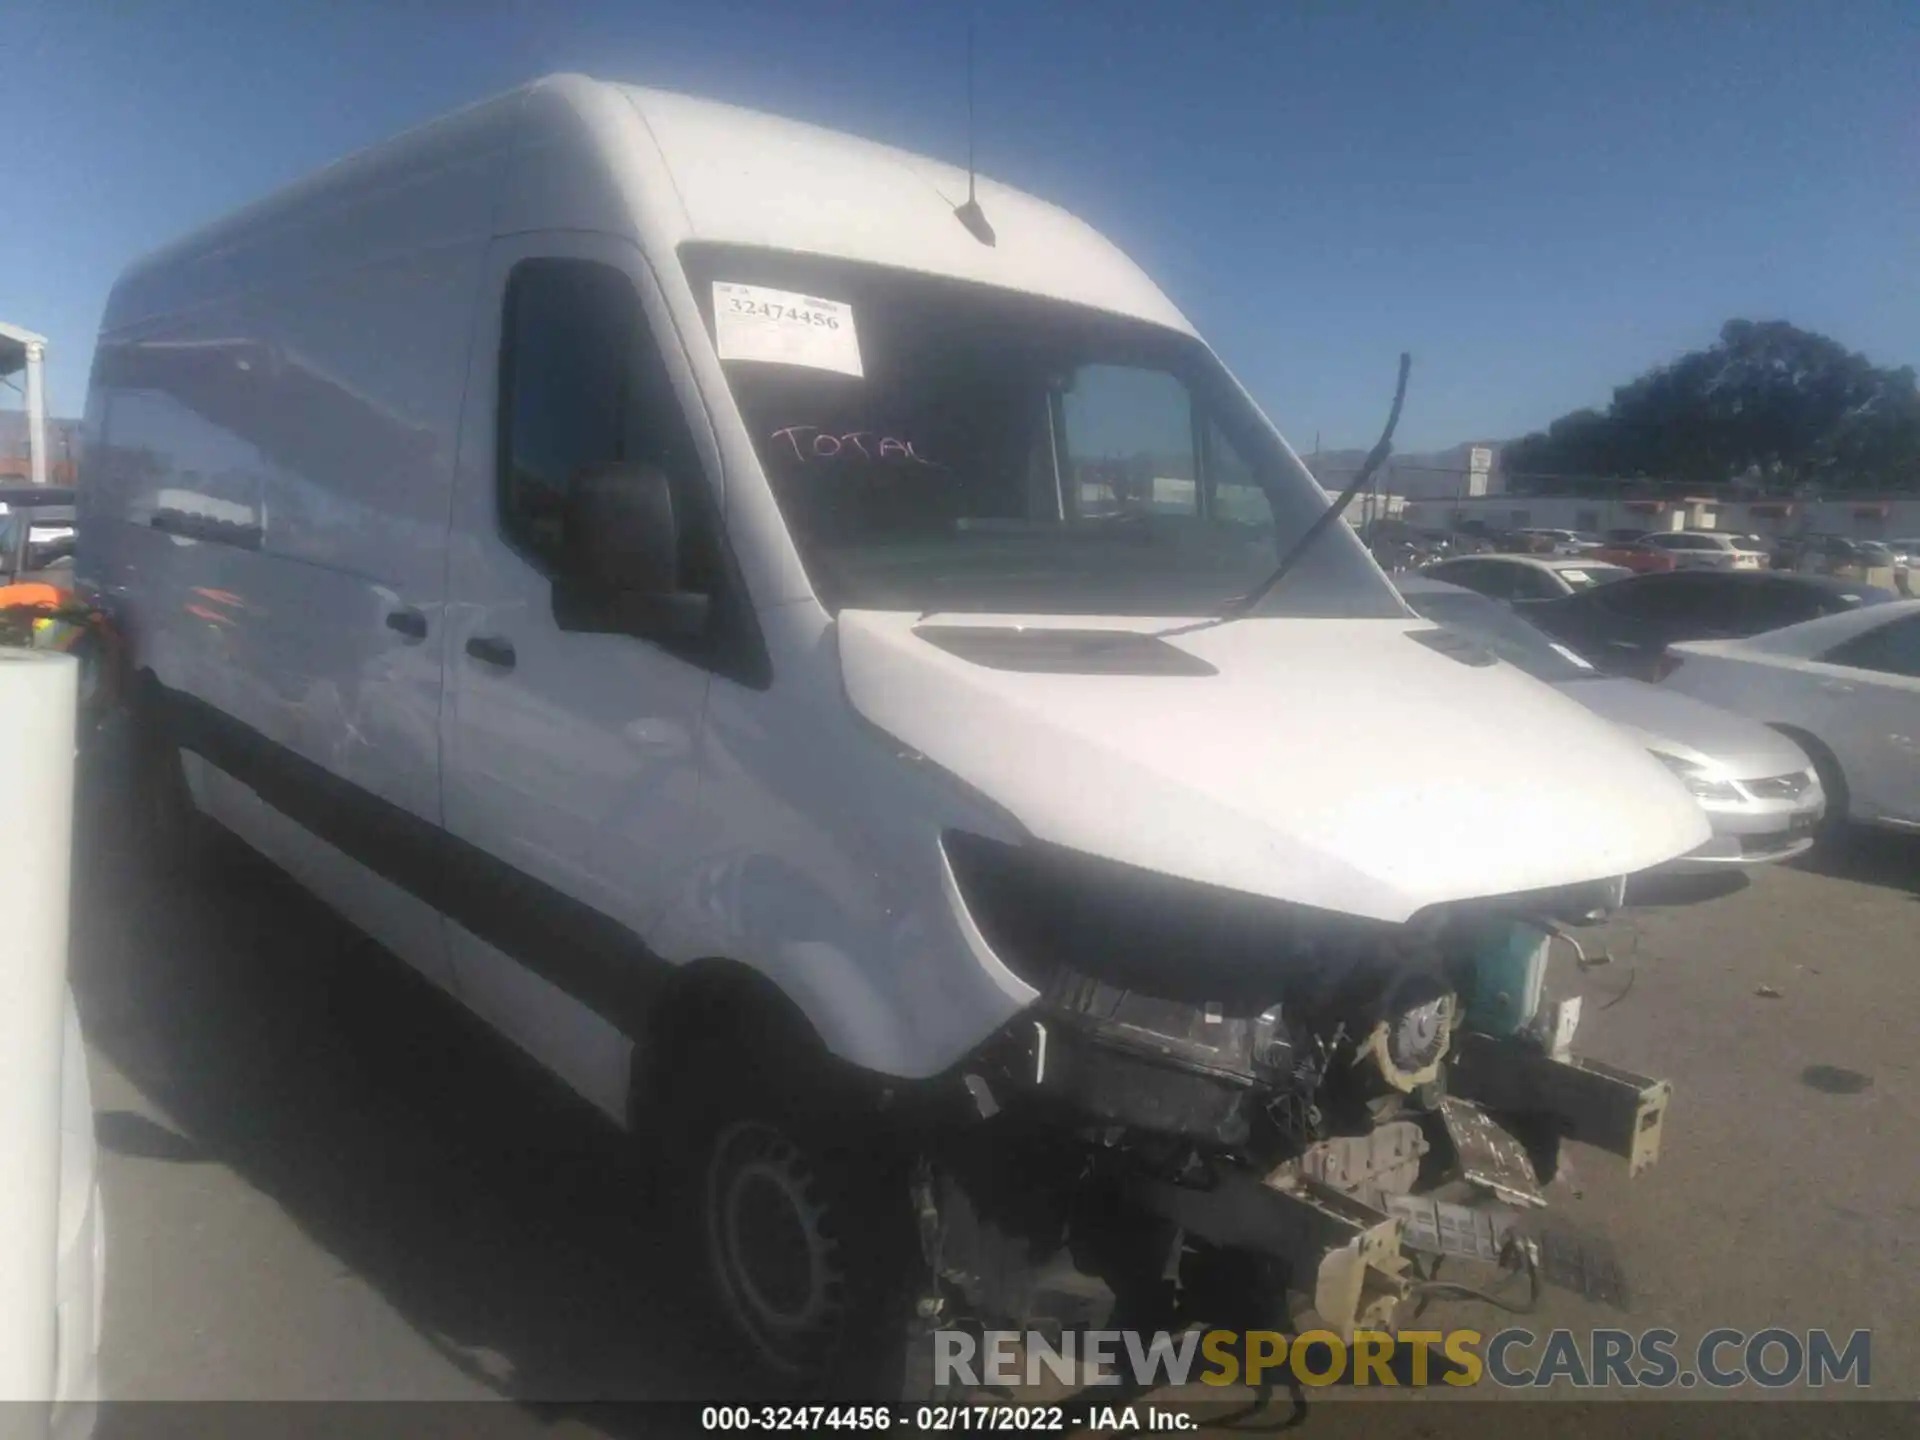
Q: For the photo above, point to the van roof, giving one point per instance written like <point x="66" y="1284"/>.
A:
<point x="568" y="152"/>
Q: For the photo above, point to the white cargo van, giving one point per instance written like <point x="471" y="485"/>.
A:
<point x="757" y="633"/>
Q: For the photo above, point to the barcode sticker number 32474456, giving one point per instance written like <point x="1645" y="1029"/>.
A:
<point x="751" y="322"/>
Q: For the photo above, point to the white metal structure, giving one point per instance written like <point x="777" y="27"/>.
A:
<point x="1847" y="687"/>
<point x="24" y="350"/>
<point x="1524" y="577"/>
<point x="1707" y="550"/>
<point x="619" y="549"/>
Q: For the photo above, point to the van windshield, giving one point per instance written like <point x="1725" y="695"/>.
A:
<point x="939" y="445"/>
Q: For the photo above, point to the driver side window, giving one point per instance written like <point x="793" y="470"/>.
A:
<point x="566" y="360"/>
<point x="1236" y="495"/>
<point x="583" y="384"/>
<point x="1127" y="443"/>
<point x="1130" y="441"/>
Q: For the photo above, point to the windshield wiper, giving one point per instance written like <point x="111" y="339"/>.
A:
<point x="1383" y="447"/>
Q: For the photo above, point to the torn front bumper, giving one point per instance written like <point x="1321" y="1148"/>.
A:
<point x="1347" y="1233"/>
<point x="1586" y="1101"/>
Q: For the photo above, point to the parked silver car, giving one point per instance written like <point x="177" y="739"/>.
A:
<point x="1759" y="789"/>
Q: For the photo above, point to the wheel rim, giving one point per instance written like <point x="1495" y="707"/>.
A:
<point x="770" y="1243"/>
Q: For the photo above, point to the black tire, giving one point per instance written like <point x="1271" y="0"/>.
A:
<point x="799" y="1201"/>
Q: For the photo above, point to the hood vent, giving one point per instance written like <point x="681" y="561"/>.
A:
<point x="1454" y="645"/>
<point x="1064" y="652"/>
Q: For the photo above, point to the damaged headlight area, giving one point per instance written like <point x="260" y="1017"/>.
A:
<point x="1232" y="1096"/>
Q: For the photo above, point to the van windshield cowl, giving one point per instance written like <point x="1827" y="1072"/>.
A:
<point x="941" y="446"/>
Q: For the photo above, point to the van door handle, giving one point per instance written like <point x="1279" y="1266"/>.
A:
<point x="410" y="623"/>
<point x="492" y="649"/>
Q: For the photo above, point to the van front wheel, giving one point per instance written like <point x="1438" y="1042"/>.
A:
<point x="777" y="1256"/>
<point x="802" y="1210"/>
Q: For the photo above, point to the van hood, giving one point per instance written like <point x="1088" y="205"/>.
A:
<point x="1348" y="765"/>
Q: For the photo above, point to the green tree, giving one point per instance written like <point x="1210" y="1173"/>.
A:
<point x="1769" y="404"/>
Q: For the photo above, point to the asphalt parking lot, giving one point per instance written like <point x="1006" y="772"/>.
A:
<point x="324" y="1182"/>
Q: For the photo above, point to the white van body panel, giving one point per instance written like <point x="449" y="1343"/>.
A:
<point x="1336" y="764"/>
<point x="317" y="399"/>
<point x="751" y="179"/>
<point x="578" y="766"/>
<point x="820" y="866"/>
<point x="290" y="378"/>
<point x="303" y="397"/>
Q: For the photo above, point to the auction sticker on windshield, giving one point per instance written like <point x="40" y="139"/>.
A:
<point x="751" y="322"/>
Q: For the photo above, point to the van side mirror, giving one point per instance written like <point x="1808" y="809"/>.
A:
<point x="621" y="558"/>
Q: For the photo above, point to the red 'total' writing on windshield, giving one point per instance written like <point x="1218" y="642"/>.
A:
<point x="810" y="442"/>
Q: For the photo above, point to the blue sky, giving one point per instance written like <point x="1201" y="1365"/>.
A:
<point x="1538" y="200"/>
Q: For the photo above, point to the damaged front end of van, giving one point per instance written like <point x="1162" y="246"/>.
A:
<point x="1289" y="1039"/>
<point x="1234" y="1111"/>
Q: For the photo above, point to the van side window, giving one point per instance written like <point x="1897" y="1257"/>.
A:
<point x="583" y="384"/>
<point x="1128" y="443"/>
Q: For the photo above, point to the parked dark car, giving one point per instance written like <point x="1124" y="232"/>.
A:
<point x="1625" y="627"/>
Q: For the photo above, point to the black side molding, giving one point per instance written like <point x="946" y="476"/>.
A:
<point x="573" y="946"/>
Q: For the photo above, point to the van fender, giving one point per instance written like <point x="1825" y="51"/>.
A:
<point x="902" y="990"/>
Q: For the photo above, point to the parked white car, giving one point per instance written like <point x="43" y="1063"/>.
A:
<point x="1708" y="550"/>
<point x="1757" y="787"/>
<point x="1847" y="687"/>
<point x="627" y="554"/>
